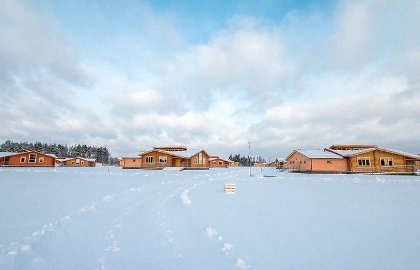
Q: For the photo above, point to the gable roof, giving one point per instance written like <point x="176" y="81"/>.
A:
<point x="7" y="154"/>
<point x="181" y="154"/>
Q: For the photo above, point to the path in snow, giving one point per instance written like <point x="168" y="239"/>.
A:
<point x="146" y="225"/>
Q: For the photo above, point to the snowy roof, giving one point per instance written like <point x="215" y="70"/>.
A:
<point x="70" y="158"/>
<point x="318" y="154"/>
<point x="224" y="159"/>
<point x="402" y="153"/>
<point x="63" y="159"/>
<point x="6" y="154"/>
<point x="348" y="153"/>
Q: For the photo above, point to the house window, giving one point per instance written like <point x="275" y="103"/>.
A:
<point x="387" y="162"/>
<point x="77" y="161"/>
<point x="163" y="159"/>
<point x="134" y="160"/>
<point x="199" y="159"/>
<point x="220" y="163"/>
<point x="149" y="159"/>
<point x="22" y="159"/>
<point x="304" y="162"/>
<point x="363" y="161"/>
<point x="32" y="158"/>
<point x="329" y="162"/>
<point x="41" y="160"/>
<point x="82" y="162"/>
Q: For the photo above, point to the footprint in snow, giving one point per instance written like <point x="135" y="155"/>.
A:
<point x="227" y="248"/>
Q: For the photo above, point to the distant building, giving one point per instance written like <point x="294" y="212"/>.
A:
<point x="278" y="163"/>
<point x="260" y="164"/>
<point x="76" y="162"/>
<point x="218" y="162"/>
<point x="27" y="158"/>
<point x="169" y="156"/>
<point x="235" y="164"/>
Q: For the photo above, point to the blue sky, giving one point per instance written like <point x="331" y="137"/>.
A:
<point x="211" y="74"/>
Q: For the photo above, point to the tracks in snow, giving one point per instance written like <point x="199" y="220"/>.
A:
<point x="107" y="231"/>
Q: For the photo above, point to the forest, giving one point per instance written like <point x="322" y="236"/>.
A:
<point x="100" y="153"/>
<point x="245" y="160"/>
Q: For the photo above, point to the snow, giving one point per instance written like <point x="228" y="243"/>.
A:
<point x="89" y="218"/>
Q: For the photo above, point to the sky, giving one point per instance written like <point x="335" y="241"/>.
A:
<point x="131" y="75"/>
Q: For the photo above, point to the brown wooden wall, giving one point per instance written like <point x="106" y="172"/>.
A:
<point x="400" y="163"/>
<point x="131" y="162"/>
<point x="170" y="160"/>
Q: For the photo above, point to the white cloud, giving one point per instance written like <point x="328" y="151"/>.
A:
<point x="353" y="39"/>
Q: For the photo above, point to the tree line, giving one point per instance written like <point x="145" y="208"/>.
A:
<point x="245" y="160"/>
<point x="101" y="153"/>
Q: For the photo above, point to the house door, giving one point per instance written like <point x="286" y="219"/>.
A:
<point x="409" y="166"/>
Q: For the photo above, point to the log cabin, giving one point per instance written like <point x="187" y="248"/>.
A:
<point x="27" y="158"/>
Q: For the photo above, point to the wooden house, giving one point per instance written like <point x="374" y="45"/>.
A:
<point x="162" y="157"/>
<point x="76" y="162"/>
<point x="234" y="164"/>
<point x="260" y="164"/>
<point x="218" y="162"/>
<point x="27" y="158"/>
<point x="315" y="161"/>
<point x="278" y="163"/>
<point x="378" y="160"/>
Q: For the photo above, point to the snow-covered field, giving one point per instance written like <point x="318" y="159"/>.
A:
<point x="92" y="218"/>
